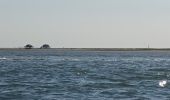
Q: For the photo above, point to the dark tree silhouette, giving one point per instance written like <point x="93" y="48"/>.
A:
<point x="28" y="46"/>
<point x="45" y="46"/>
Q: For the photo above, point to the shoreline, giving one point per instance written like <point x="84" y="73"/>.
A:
<point x="94" y="49"/>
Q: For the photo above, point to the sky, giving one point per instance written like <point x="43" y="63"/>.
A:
<point x="85" y="23"/>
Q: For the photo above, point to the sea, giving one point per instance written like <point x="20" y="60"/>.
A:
<point x="84" y="75"/>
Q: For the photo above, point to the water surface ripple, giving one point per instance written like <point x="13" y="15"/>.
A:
<point x="84" y="75"/>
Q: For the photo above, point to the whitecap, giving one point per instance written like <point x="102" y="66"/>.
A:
<point x="162" y="83"/>
<point x="3" y="58"/>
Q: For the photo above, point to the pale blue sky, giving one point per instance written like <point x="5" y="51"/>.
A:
<point x="85" y="23"/>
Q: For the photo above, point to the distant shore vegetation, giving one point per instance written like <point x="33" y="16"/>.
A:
<point x="30" y="46"/>
<point x="45" y="46"/>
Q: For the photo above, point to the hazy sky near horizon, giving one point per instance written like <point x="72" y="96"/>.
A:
<point x="85" y="23"/>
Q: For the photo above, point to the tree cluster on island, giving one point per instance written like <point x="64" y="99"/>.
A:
<point x="44" y="46"/>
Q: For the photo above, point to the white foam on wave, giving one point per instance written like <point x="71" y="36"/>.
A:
<point x="163" y="83"/>
<point x="3" y="58"/>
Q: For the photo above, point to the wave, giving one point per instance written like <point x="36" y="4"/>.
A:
<point x="21" y="58"/>
<point x="3" y="58"/>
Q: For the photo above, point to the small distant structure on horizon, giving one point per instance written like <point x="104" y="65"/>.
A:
<point x="28" y="46"/>
<point x="148" y="46"/>
<point x="45" y="46"/>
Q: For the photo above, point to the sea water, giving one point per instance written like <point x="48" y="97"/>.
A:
<point x="84" y="75"/>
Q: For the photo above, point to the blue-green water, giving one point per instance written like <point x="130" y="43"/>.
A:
<point x="84" y="75"/>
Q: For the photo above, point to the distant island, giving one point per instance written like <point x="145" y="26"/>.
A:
<point x="44" y="46"/>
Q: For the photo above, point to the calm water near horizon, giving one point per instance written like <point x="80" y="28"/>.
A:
<point x="84" y="75"/>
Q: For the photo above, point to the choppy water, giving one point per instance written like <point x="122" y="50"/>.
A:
<point x="84" y="75"/>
